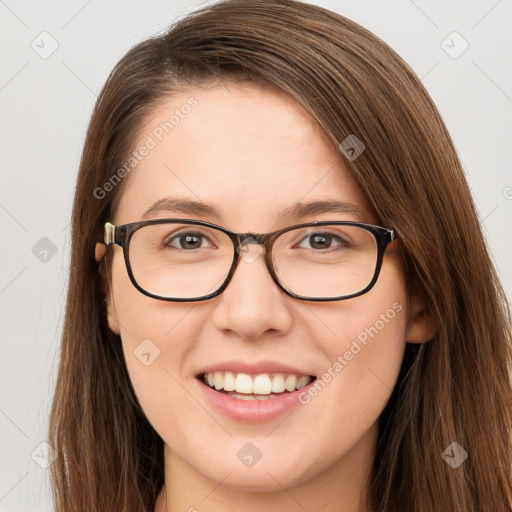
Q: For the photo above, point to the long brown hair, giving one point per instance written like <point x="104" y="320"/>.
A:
<point x="454" y="388"/>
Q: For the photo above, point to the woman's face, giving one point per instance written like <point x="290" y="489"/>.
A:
<point x="251" y="153"/>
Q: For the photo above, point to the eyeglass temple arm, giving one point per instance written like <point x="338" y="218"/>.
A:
<point x="109" y="234"/>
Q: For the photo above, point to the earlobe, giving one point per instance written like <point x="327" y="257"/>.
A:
<point x="99" y="251"/>
<point x="422" y="326"/>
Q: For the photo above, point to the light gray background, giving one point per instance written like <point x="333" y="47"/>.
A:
<point x="45" y="107"/>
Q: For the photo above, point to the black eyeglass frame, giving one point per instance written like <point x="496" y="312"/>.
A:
<point x="121" y="235"/>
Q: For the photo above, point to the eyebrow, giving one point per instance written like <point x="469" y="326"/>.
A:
<point x="298" y="210"/>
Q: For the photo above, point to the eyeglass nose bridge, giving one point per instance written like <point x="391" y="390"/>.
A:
<point x="242" y="240"/>
<point x="264" y="240"/>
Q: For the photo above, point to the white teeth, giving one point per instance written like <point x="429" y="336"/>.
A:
<point x="291" y="383"/>
<point x="278" y="384"/>
<point x="250" y="397"/>
<point x="263" y="384"/>
<point x="218" y="380"/>
<point x="229" y="381"/>
<point x="243" y="383"/>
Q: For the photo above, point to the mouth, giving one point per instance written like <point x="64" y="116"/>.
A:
<point x="264" y="386"/>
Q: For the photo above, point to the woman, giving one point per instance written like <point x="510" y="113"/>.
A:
<point x="355" y="358"/>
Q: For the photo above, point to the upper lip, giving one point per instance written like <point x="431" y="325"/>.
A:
<point x="254" y="368"/>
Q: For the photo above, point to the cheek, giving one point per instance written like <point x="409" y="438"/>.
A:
<point x="371" y="355"/>
<point x="155" y="349"/>
<point x="156" y="338"/>
<point x="364" y="352"/>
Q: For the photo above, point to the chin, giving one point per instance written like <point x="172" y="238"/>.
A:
<point x="261" y="477"/>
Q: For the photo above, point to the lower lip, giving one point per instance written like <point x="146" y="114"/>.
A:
<point x="252" y="411"/>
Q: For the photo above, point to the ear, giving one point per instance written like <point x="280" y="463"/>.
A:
<point x="421" y="326"/>
<point x="113" y="323"/>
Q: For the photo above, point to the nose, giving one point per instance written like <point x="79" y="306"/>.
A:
<point x="252" y="304"/>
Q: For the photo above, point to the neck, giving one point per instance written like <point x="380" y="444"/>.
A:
<point x="340" y="487"/>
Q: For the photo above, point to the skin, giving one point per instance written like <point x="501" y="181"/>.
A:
<point x="239" y="147"/>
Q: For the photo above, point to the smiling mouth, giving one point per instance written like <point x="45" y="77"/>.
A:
<point x="263" y="386"/>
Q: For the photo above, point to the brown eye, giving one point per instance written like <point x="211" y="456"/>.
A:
<point x="185" y="240"/>
<point x="325" y="241"/>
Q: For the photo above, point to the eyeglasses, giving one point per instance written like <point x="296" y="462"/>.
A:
<point x="186" y="260"/>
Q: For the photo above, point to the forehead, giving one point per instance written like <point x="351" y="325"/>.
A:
<point x="248" y="150"/>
